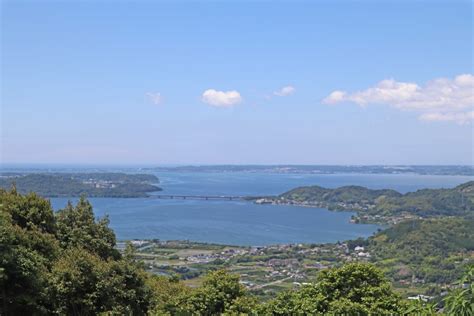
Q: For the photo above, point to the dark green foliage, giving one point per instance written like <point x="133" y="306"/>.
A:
<point x="28" y="211"/>
<point x="432" y="202"/>
<point x="77" y="227"/>
<point x="82" y="283"/>
<point x="63" y="264"/>
<point x="27" y="248"/>
<point x="347" y="194"/>
<point x="458" y="201"/>
<point x="421" y="308"/>
<point x="24" y="270"/>
<point x="167" y="294"/>
<point x="77" y="184"/>
<point x="354" y="289"/>
<point x="460" y="301"/>
<point x="425" y="249"/>
<point x="217" y="294"/>
<point x="422" y="238"/>
<point x="220" y="294"/>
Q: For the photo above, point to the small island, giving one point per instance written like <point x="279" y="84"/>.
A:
<point x="99" y="184"/>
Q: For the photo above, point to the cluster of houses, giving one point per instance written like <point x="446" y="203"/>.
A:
<point x="339" y="205"/>
<point x="224" y="255"/>
<point x="101" y="184"/>
<point x="361" y="253"/>
<point x="360" y="218"/>
<point x="282" y="262"/>
<point x="390" y="220"/>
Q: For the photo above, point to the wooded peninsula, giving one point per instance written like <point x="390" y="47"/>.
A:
<point x="384" y="206"/>
<point x="98" y="184"/>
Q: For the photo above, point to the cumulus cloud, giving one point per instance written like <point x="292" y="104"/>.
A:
<point x="285" y="91"/>
<point x="221" y="98"/>
<point x="441" y="99"/>
<point x="155" y="97"/>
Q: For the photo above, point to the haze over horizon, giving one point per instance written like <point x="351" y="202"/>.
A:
<point x="156" y="83"/>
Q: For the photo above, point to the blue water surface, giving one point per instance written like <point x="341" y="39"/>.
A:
<point x="244" y="223"/>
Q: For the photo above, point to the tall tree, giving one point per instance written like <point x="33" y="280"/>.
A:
<point x="77" y="227"/>
<point x="27" y="248"/>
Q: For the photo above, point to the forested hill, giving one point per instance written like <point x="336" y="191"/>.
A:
<point x="76" y="184"/>
<point x="458" y="201"/>
<point x="432" y="250"/>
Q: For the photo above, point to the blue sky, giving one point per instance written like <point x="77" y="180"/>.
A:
<point x="121" y="82"/>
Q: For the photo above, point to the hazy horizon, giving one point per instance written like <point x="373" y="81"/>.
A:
<point x="170" y="165"/>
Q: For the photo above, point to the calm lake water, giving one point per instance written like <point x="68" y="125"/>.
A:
<point x="244" y="223"/>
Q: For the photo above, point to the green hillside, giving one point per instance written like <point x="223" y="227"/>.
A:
<point x="458" y="201"/>
<point x="77" y="184"/>
<point x="431" y="250"/>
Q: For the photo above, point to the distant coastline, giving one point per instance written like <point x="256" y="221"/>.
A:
<point x="97" y="184"/>
<point x="455" y="170"/>
<point x="449" y="170"/>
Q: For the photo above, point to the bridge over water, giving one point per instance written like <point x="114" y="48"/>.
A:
<point x="201" y="197"/>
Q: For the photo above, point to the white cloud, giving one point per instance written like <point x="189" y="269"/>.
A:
<point x="221" y="98"/>
<point x="285" y="91"/>
<point x="155" y="97"/>
<point x="441" y="99"/>
<point x="335" y="97"/>
<point x="461" y="118"/>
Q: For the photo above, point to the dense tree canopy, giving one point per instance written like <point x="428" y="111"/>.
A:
<point x="457" y="201"/>
<point x="354" y="289"/>
<point x="77" y="227"/>
<point x="64" y="263"/>
<point x="424" y="249"/>
<point x="27" y="247"/>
